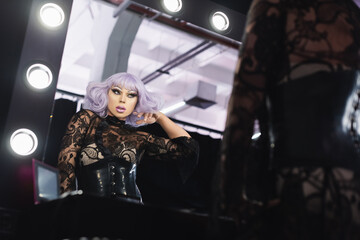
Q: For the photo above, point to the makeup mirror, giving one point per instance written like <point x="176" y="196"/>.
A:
<point x="190" y="66"/>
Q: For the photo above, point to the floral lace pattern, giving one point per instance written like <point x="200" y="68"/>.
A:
<point x="90" y="139"/>
<point x="285" y="40"/>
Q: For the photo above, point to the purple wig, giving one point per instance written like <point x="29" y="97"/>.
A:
<point x="96" y="98"/>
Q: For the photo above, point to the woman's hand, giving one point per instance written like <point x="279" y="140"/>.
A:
<point x="148" y="118"/>
<point x="172" y="129"/>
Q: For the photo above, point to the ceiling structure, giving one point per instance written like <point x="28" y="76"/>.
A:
<point x="172" y="62"/>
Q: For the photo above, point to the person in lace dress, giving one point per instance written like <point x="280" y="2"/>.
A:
<point x="298" y="76"/>
<point x="102" y="146"/>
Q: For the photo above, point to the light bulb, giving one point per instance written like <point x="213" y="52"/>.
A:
<point x="220" y="21"/>
<point x="23" y="142"/>
<point x="172" y="5"/>
<point x="52" y="15"/>
<point x="39" y="76"/>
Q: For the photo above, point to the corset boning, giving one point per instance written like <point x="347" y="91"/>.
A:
<point x="314" y="121"/>
<point x="110" y="177"/>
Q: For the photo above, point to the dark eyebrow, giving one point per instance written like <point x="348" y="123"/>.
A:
<point x="129" y="91"/>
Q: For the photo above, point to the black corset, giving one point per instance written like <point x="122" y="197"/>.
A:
<point x="112" y="176"/>
<point x="316" y="121"/>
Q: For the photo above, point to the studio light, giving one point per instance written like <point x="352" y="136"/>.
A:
<point x="256" y="136"/>
<point x="219" y="21"/>
<point x="172" y="5"/>
<point x="23" y="141"/>
<point x="39" y="76"/>
<point x="173" y="107"/>
<point x="52" y="15"/>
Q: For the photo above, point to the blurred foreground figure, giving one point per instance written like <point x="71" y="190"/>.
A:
<point x="298" y="75"/>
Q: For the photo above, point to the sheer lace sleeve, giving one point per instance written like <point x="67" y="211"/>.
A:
<point x="183" y="150"/>
<point x="258" y="62"/>
<point x="70" y="146"/>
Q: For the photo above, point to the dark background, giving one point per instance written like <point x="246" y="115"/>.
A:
<point x="241" y="6"/>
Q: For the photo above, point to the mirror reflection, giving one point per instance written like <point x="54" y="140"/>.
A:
<point x="193" y="75"/>
<point x="99" y="44"/>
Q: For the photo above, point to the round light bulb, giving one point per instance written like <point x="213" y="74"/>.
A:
<point x="23" y="142"/>
<point x="39" y="76"/>
<point x="220" y="21"/>
<point x="172" y="5"/>
<point x="52" y="15"/>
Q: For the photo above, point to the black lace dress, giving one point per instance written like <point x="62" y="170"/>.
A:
<point x="298" y="76"/>
<point x="103" y="154"/>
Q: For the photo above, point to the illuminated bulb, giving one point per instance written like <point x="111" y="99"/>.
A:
<point x="23" y="142"/>
<point x="52" y="15"/>
<point x="220" y="21"/>
<point x="39" y="76"/>
<point x="256" y="136"/>
<point x="172" y="5"/>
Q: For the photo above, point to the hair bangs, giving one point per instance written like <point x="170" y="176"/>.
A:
<point x="127" y="81"/>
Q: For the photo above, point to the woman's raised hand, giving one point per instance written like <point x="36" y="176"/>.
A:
<point x="172" y="129"/>
<point x="148" y="118"/>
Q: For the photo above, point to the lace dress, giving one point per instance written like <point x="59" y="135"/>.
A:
<point x="298" y="76"/>
<point x="103" y="154"/>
